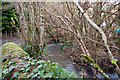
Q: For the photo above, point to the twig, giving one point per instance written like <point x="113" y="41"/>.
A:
<point x="102" y="34"/>
<point x="101" y="43"/>
<point x="77" y="36"/>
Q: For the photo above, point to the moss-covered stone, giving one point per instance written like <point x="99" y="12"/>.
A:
<point x="17" y="65"/>
<point x="11" y="48"/>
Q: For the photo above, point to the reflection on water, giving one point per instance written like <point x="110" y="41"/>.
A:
<point x="60" y="57"/>
<point x="57" y="55"/>
<point x="112" y="76"/>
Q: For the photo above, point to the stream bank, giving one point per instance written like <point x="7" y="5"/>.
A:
<point x="55" y="54"/>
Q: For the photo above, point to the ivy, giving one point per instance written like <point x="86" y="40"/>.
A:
<point x="113" y="61"/>
<point x="34" y="69"/>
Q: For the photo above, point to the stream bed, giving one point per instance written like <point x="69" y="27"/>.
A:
<point x="55" y="54"/>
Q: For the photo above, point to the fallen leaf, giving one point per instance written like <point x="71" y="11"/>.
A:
<point x="115" y="54"/>
<point x="53" y="29"/>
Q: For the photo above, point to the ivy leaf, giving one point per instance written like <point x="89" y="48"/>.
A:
<point x="54" y="64"/>
<point x="40" y="61"/>
<point x="63" y="75"/>
<point x="30" y="75"/>
<point x="16" y="74"/>
<point x="11" y="68"/>
<point x="22" y="69"/>
<point x="113" y="61"/>
<point x="28" y="69"/>
<point x="49" y="75"/>
<point x="34" y="76"/>
<point x="36" y="70"/>
<point x="48" y="62"/>
<point x="39" y="66"/>
<point x="59" y="68"/>
<point x="5" y="71"/>
<point x="71" y="74"/>
<point x="26" y="65"/>
<point x="41" y="73"/>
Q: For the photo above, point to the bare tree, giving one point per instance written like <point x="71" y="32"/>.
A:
<point x="103" y="36"/>
<point x="31" y="24"/>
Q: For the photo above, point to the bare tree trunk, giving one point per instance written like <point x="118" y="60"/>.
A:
<point x="30" y="20"/>
<point x="101" y="32"/>
<point x="41" y="27"/>
<point x="81" y="43"/>
<point x="21" y="16"/>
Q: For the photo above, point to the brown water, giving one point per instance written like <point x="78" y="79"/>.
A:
<point x="56" y="55"/>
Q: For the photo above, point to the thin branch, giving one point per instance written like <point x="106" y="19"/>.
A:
<point x="101" y="43"/>
<point x="101" y="32"/>
<point x="77" y="36"/>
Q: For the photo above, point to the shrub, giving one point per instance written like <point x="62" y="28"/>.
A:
<point x="9" y="18"/>
<point x="31" y="68"/>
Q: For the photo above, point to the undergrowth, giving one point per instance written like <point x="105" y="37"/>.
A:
<point x="32" y="68"/>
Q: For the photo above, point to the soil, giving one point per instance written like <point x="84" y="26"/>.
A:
<point x="71" y="52"/>
<point x="8" y="38"/>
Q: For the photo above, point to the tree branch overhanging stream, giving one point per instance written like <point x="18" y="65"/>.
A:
<point x="79" y="40"/>
<point x="104" y="38"/>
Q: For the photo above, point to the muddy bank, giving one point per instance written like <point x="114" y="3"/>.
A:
<point x="14" y="39"/>
<point x="54" y="54"/>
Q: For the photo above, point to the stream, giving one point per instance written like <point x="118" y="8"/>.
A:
<point x="55" y="54"/>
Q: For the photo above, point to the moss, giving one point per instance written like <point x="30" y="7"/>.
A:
<point x="11" y="48"/>
<point x="22" y="75"/>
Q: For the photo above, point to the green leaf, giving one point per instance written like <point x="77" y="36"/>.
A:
<point x="48" y="62"/>
<point x="63" y="75"/>
<point x="5" y="71"/>
<point x="28" y="69"/>
<point x="41" y="72"/>
<point x="22" y="69"/>
<point x="36" y="70"/>
<point x="58" y="69"/>
<point x="71" y="74"/>
<point x="40" y="61"/>
<point x="11" y="68"/>
<point x="54" y="64"/>
<point x="26" y="65"/>
<point x="113" y="61"/>
<point x="34" y="76"/>
<point x="30" y="75"/>
<point x="49" y="75"/>
<point x="40" y="66"/>
<point x="16" y="74"/>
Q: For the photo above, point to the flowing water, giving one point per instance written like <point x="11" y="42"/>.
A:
<point x="56" y="55"/>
